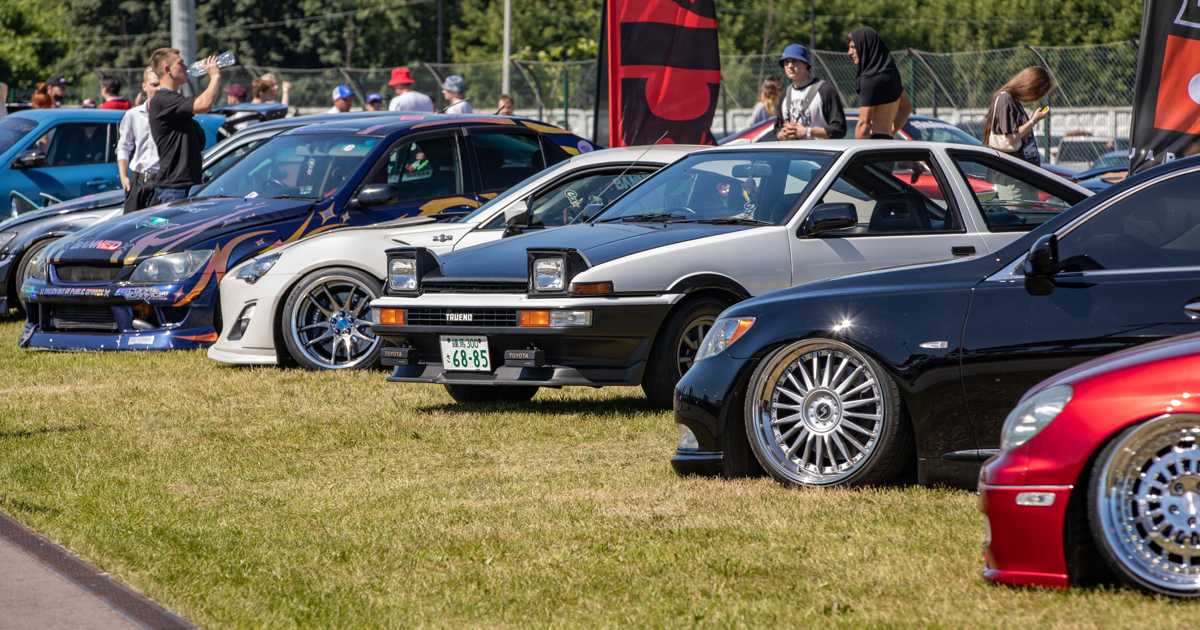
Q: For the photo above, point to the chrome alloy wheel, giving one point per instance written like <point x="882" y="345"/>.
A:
<point x="816" y="413"/>
<point x="1149" y="502"/>
<point x="689" y="341"/>
<point x="329" y="323"/>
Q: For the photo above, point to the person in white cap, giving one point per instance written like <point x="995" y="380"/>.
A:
<point x="452" y="89"/>
<point x="341" y="100"/>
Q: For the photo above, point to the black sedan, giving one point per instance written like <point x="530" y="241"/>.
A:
<point x="858" y="380"/>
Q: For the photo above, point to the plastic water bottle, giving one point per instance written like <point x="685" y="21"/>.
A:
<point x="224" y="61"/>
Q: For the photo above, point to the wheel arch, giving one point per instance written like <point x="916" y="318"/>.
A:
<point x="10" y="282"/>
<point x="282" y="356"/>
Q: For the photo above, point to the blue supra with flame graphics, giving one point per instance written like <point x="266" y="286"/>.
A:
<point x="148" y="280"/>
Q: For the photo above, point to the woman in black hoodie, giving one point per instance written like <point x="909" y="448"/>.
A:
<point x="884" y="106"/>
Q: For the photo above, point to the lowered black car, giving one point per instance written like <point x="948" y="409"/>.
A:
<point x="851" y="381"/>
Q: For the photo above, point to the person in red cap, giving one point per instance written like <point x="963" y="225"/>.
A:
<point x="235" y="94"/>
<point x="407" y="99"/>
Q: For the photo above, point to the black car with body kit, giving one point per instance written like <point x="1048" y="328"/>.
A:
<point x="854" y="380"/>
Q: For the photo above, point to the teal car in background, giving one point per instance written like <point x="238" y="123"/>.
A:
<point x="65" y="153"/>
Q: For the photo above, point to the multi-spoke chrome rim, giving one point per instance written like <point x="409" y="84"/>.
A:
<point x="329" y="323"/>
<point x="689" y="343"/>
<point x="817" y="413"/>
<point x="1150" y="501"/>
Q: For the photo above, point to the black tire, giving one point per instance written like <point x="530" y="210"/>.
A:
<point x="491" y="393"/>
<point x="1141" y="496"/>
<point x="665" y="367"/>
<point x="335" y="299"/>
<point x="21" y="273"/>
<point x="847" y="399"/>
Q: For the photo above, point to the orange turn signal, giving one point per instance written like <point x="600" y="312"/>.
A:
<point x="743" y="325"/>
<point x="590" y="288"/>
<point x="391" y="316"/>
<point x="539" y="319"/>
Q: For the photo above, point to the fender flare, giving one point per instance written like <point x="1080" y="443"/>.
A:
<point x="710" y="281"/>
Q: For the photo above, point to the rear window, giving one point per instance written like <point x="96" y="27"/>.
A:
<point x="13" y="129"/>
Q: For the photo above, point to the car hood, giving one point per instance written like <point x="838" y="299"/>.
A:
<point x="599" y="243"/>
<point x="175" y="227"/>
<point x="1153" y="352"/>
<point x="99" y="200"/>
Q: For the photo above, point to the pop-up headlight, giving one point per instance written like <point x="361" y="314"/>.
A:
<point x="551" y="270"/>
<point x="405" y="268"/>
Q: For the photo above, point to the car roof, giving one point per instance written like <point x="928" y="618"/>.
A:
<point x="69" y="113"/>
<point x="368" y="126"/>
<point x="660" y="154"/>
<point x="843" y="145"/>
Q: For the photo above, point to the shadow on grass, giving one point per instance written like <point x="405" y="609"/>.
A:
<point x="32" y="432"/>
<point x="624" y="404"/>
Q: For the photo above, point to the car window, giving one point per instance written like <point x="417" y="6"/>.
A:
<point x="506" y="158"/>
<point x="1009" y="200"/>
<point x="758" y="185"/>
<point x="1072" y="150"/>
<point x="938" y="131"/>
<point x="308" y="166"/>
<point x="564" y="203"/>
<point x="227" y="160"/>
<point x="423" y="169"/>
<point x="552" y="153"/>
<point x="13" y="129"/>
<point x="72" y="144"/>
<point x="1158" y="227"/>
<point x="894" y="195"/>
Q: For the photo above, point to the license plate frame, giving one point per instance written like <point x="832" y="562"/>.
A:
<point x="465" y="353"/>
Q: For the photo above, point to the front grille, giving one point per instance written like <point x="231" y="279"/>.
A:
<point x="83" y="318"/>
<point x="466" y="317"/>
<point x="473" y="287"/>
<point x="80" y="274"/>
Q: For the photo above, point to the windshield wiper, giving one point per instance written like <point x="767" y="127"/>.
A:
<point x="729" y="221"/>
<point x="649" y="217"/>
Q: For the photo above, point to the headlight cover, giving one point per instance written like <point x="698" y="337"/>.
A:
<point x="171" y="267"/>
<point x="723" y="333"/>
<point x="1033" y="415"/>
<point x="257" y="268"/>
<point x="37" y="269"/>
<point x="548" y="274"/>
<point x="403" y="274"/>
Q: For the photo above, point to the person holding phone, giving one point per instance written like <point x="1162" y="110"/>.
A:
<point x="1008" y="128"/>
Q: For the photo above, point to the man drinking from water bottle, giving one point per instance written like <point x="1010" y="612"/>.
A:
<point x="172" y="123"/>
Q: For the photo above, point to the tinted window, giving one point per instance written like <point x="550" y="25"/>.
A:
<point x="763" y="186"/>
<point x="72" y="144"/>
<point x="505" y="159"/>
<point x="423" y="169"/>
<point x="938" y="131"/>
<point x="1009" y="200"/>
<point x="12" y="130"/>
<point x="894" y="196"/>
<point x="300" y="166"/>
<point x="227" y="160"/>
<point x="564" y="203"/>
<point x="1157" y="227"/>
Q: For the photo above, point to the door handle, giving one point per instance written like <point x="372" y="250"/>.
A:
<point x="963" y="250"/>
<point x="98" y="182"/>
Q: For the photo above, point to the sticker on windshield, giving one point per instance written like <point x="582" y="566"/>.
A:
<point x="348" y="148"/>
<point x="252" y="195"/>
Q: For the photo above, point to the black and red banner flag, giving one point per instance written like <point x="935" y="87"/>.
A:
<point x="663" y="71"/>
<point x="1166" y="105"/>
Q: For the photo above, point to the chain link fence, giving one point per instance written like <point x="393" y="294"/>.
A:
<point x="1093" y="92"/>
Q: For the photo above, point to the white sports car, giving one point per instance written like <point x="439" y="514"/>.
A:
<point x="628" y="297"/>
<point x="306" y="301"/>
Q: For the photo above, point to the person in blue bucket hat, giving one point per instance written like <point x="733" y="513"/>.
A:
<point x="341" y="100"/>
<point x="452" y="90"/>
<point x="809" y="108"/>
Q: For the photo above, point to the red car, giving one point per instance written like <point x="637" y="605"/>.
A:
<point x="1099" y="474"/>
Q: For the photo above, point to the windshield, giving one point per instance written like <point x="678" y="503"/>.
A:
<point x="754" y="186"/>
<point x="300" y="166"/>
<point x="505" y="196"/>
<point x="938" y="131"/>
<point x="13" y="129"/>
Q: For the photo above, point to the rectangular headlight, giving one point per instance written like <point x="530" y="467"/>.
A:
<point x="548" y="274"/>
<point x="405" y="268"/>
<point x="403" y="274"/>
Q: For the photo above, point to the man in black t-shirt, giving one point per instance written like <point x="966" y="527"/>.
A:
<point x="172" y="124"/>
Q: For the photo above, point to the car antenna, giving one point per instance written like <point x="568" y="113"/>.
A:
<point x="443" y="110"/>
<point x="610" y="184"/>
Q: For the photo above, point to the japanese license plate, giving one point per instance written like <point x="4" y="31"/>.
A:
<point x="468" y="354"/>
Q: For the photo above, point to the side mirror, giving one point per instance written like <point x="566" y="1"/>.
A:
<point x="1039" y="265"/>
<point x="29" y="159"/>
<point x="590" y="211"/>
<point x="519" y="220"/>
<point x="377" y="195"/>
<point x="195" y="190"/>
<point x="830" y="216"/>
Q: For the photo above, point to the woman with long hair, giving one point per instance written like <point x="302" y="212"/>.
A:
<point x="768" y="98"/>
<point x="41" y="97"/>
<point x="884" y="106"/>
<point x="1008" y="128"/>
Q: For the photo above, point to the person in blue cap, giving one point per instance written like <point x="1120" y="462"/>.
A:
<point x="452" y="90"/>
<point x="374" y="102"/>
<point x="809" y="108"/>
<point x="341" y="100"/>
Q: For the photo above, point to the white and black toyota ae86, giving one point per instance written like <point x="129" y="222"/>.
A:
<point x="627" y="298"/>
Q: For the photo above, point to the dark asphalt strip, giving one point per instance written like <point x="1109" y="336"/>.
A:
<point x="125" y="601"/>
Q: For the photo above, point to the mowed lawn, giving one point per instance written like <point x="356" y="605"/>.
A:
<point x="279" y="498"/>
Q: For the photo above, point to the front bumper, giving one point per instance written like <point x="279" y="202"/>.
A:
<point x="612" y="351"/>
<point x="708" y="400"/>
<point x="257" y="343"/>
<point x="1023" y="545"/>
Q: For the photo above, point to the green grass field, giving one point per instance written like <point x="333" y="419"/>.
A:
<point x="280" y="498"/>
